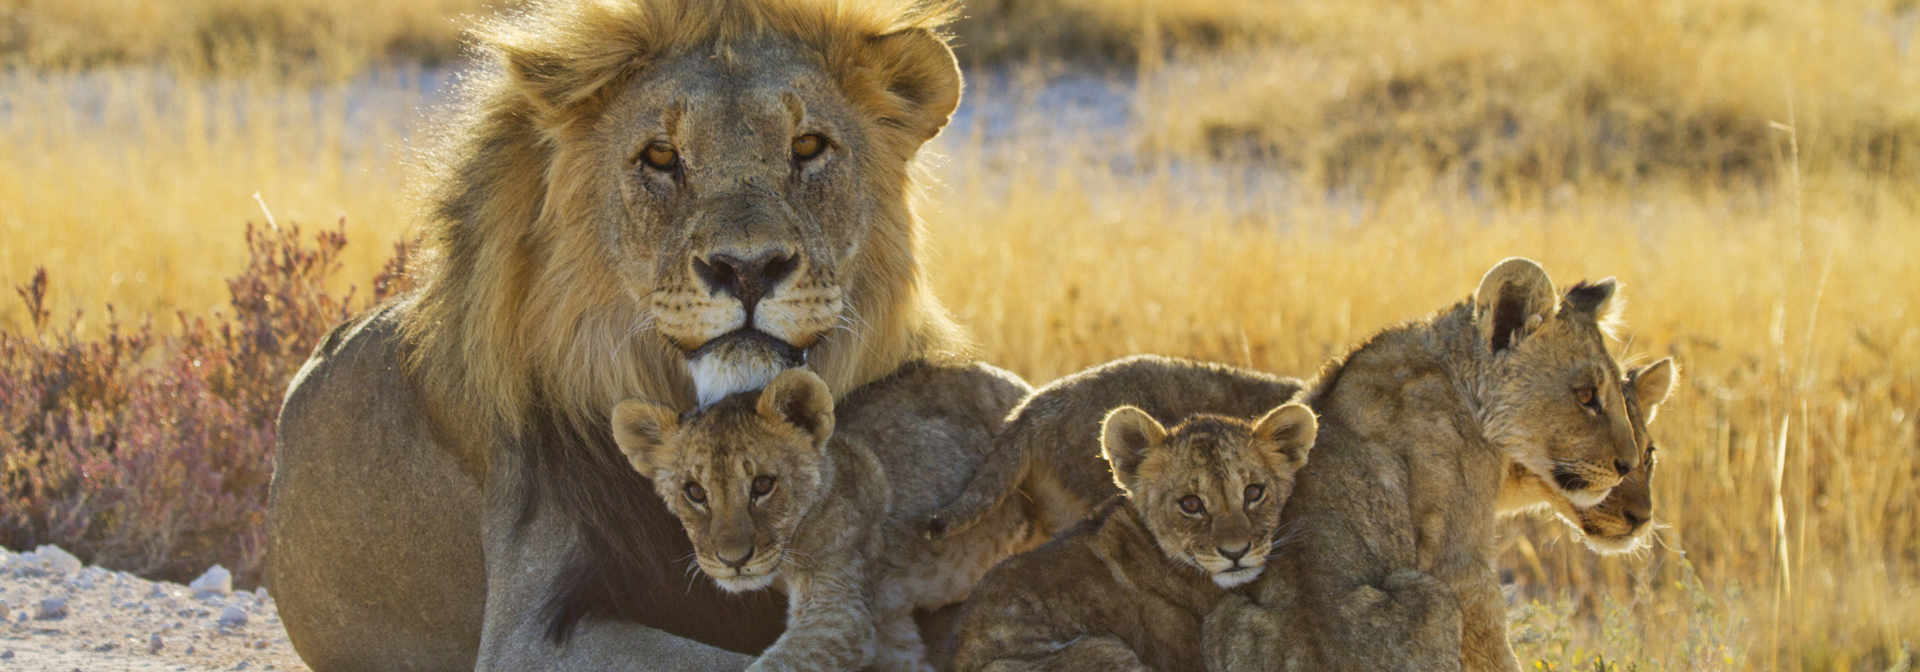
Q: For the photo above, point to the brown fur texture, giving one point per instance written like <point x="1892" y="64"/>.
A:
<point x="1395" y="515"/>
<point x="774" y="490"/>
<point x="566" y="273"/>
<point x="1050" y="450"/>
<point x="1128" y="590"/>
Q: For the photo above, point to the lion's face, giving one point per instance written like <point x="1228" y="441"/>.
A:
<point x="741" y="474"/>
<point x="1621" y="523"/>
<point x="1211" y="490"/>
<point x="1552" y="395"/>
<point x="754" y="191"/>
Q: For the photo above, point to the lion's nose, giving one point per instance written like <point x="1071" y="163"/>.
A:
<point x="1637" y="516"/>
<point x="1622" y="466"/>
<point x="1235" y="554"/>
<point x="735" y="563"/>
<point x="746" y="279"/>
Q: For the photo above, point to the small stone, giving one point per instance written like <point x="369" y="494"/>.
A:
<point x="189" y="649"/>
<point x="216" y="580"/>
<point x="243" y="665"/>
<point x="232" y="617"/>
<point x="155" y="643"/>
<point x="8" y="655"/>
<point x="103" y="648"/>
<point x="52" y="608"/>
<point x="3" y="610"/>
<point x="58" y="560"/>
<point x="159" y="590"/>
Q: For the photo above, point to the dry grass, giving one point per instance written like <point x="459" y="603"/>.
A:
<point x="339" y="35"/>
<point x="1601" y="137"/>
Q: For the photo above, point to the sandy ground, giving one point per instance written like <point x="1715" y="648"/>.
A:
<point x="117" y="621"/>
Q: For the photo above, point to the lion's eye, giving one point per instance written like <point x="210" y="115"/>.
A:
<point x="762" y="486"/>
<point x="1255" y="493"/>
<point x="808" y="146"/>
<point x="1191" y="504"/>
<point x="696" y="493"/>
<point x="660" y="156"/>
<point x="1587" y="398"/>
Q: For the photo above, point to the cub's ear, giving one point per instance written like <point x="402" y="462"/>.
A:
<point x="1126" y="436"/>
<point x="641" y="429"/>
<point x="1598" y="302"/>
<point x="1652" y="384"/>
<point x="1514" y="298"/>
<point x="918" y="79"/>
<point x="799" y="398"/>
<point x="1288" y="432"/>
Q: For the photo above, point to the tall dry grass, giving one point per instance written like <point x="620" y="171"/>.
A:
<point x="1307" y="173"/>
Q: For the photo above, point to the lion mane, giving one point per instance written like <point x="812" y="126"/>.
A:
<point x="522" y="324"/>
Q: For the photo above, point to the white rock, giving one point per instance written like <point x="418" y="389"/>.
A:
<point x="52" y="608"/>
<point x="58" y="560"/>
<point x="232" y="617"/>
<point x="216" y="580"/>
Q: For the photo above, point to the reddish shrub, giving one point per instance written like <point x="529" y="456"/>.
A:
<point x="152" y="452"/>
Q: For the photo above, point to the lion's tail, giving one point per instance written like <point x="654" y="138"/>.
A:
<point x="1004" y="468"/>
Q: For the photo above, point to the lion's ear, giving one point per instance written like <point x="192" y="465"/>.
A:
<point x="1652" y="385"/>
<point x="554" y="82"/>
<point x="799" y="398"/>
<point x="1126" y="436"/>
<point x="921" y="78"/>
<point x="1288" y="432"/>
<point x="641" y="429"/>
<point x="1514" y="298"/>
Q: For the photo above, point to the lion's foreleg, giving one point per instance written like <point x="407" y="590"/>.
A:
<point x="829" y="623"/>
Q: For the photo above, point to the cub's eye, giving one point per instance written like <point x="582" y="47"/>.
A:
<point x="1255" y="493"/>
<point x="696" y="493"/>
<point x="1191" y="504"/>
<point x="660" y="156"/>
<point x="1587" y="398"/>
<point x="808" y="146"/>
<point x="762" y="486"/>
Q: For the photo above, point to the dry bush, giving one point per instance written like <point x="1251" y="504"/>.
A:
<point x="152" y="453"/>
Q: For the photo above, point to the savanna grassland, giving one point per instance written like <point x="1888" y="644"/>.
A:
<point x="1261" y="183"/>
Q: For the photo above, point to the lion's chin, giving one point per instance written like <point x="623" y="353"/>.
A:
<point x="743" y="583"/>
<point x="740" y="361"/>
<point x="1236" y="577"/>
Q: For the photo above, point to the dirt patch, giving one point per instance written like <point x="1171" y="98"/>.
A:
<point x="63" y="618"/>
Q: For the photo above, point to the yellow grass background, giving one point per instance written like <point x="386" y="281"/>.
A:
<point x="1745" y="167"/>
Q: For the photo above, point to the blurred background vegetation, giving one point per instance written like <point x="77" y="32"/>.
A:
<point x="1277" y="178"/>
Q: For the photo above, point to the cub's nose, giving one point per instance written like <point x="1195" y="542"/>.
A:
<point x="1622" y="466"/>
<point x="746" y="279"/>
<point x="735" y="563"/>
<point x="1636" y="516"/>
<point x="1234" y="554"/>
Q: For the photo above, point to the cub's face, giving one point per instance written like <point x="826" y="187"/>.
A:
<point x="1553" y="398"/>
<point x="741" y="474"/>
<point x="1621" y="522"/>
<point x="1210" y="490"/>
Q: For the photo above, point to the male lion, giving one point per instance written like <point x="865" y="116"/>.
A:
<point x="1128" y="589"/>
<point x="1395" y="515"/>
<point x="783" y="488"/>
<point x="643" y="189"/>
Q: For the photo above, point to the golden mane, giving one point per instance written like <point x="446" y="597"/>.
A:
<point x="520" y="307"/>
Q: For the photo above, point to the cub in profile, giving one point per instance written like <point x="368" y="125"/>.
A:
<point x="1129" y="588"/>
<point x="775" y="488"/>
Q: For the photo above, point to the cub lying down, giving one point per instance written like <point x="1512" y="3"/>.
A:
<point x="772" y="494"/>
<point x="1129" y="588"/>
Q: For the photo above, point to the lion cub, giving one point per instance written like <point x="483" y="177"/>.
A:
<point x="1129" y="588"/>
<point x="774" y="490"/>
